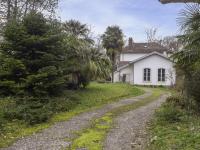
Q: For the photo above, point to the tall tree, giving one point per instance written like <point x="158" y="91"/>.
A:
<point x="14" y="9"/>
<point x="151" y="34"/>
<point x="188" y="59"/>
<point x="37" y="47"/>
<point x="113" y="41"/>
<point x="84" y="62"/>
<point x="172" y="43"/>
<point x="76" y="29"/>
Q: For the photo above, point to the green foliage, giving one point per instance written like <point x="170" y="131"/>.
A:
<point x="170" y="114"/>
<point x="187" y="59"/>
<point x="181" y="132"/>
<point x="29" y="109"/>
<point x="34" y="110"/>
<point x="94" y="136"/>
<point x="63" y="108"/>
<point x="177" y="100"/>
<point x="39" y="59"/>
<point x="11" y="74"/>
<point x="113" y="41"/>
<point x="32" y="56"/>
<point x="192" y="84"/>
<point x="84" y="62"/>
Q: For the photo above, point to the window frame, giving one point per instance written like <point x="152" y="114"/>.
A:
<point x="147" y="74"/>
<point x="161" y="75"/>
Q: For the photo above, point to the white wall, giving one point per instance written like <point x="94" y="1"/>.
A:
<point x="130" y="57"/>
<point x="154" y="62"/>
<point x="129" y="74"/>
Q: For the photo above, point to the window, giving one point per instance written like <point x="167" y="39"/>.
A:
<point x="147" y="74"/>
<point x="161" y="74"/>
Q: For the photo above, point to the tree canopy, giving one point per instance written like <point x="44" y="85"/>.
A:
<point x="188" y="58"/>
<point x="38" y="52"/>
<point x="113" y="41"/>
<point x="84" y="61"/>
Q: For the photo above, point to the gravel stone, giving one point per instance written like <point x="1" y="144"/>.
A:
<point x="129" y="132"/>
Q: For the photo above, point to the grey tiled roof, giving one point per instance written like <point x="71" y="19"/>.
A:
<point x="144" y="48"/>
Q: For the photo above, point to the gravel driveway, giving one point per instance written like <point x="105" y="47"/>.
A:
<point x="55" y="137"/>
<point x="129" y="131"/>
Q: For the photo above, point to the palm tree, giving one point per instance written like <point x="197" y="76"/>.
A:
<point x="189" y="22"/>
<point x="100" y="63"/>
<point x="78" y="30"/>
<point x="188" y="59"/>
<point x="84" y="62"/>
<point x="113" y="41"/>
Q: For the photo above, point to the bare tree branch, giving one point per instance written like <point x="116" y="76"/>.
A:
<point x="15" y="9"/>
<point x="151" y="34"/>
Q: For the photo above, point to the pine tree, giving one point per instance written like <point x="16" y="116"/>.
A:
<point x="36" y="44"/>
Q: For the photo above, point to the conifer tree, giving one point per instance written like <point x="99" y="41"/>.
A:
<point x="36" y="44"/>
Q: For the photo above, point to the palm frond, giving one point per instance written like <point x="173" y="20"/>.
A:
<point x="189" y="18"/>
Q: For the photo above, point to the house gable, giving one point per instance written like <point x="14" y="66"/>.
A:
<point x="144" y="57"/>
<point x="154" y="63"/>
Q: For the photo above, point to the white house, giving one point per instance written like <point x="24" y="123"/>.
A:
<point x="145" y="64"/>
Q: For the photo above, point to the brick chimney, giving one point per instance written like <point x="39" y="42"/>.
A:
<point x="130" y="42"/>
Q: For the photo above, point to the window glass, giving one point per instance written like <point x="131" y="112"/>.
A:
<point x="147" y="74"/>
<point x="161" y="74"/>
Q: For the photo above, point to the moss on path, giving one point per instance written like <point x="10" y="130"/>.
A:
<point x="93" y="137"/>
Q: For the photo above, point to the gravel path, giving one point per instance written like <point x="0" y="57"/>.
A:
<point x="54" y="138"/>
<point x="129" y="131"/>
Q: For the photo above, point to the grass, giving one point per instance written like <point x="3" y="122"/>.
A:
<point x="93" y="137"/>
<point x="94" y="96"/>
<point x="181" y="134"/>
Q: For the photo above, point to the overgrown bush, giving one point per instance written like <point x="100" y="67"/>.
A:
<point x="37" y="110"/>
<point x="1" y="126"/>
<point x="39" y="59"/>
<point x="31" y="110"/>
<point x="2" y="122"/>
<point x="169" y="113"/>
<point x="192" y="84"/>
<point x="64" y="104"/>
<point x="177" y="100"/>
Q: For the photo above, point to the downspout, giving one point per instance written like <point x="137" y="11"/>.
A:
<point x="119" y="76"/>
<point x="133" y="73"/>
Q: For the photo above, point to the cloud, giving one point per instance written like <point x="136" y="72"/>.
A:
<point x="131" y="15"/>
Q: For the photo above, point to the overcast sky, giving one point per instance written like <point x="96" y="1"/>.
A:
<point x="133" y="16"/>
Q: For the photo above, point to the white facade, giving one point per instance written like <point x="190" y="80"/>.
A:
<point x="133" y="73"/>
<point x="128" y="71"/>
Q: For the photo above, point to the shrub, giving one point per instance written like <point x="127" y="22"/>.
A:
<point x="37" y="110"/>
<point x="2" y="122"/>
<point x="64" y="104"/>
<point x="1" y="126"/>
<point x="170" y="114"/>
<point x="31" y="110"/>
<point x="177" y="100"/>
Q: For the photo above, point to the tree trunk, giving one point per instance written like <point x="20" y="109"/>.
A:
<point x="113" y="66"/>
<point x="26" y="7"/>
<point x="179" y="1"/>
<point x="8" y="10"/>
<point x="15" y="12"/>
